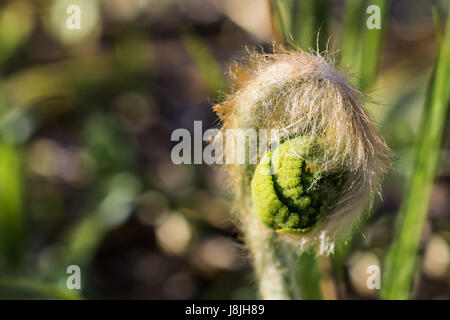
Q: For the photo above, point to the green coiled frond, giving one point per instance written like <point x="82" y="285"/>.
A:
<point x="289" y="192"/>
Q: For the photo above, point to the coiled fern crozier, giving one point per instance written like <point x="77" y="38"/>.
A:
<point x="297" y="194"/>
<point x="310" y="190"/>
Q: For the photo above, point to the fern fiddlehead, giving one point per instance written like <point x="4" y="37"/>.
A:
<point x="310" y="190"/>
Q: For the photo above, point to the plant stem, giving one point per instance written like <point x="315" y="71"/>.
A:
<point x="283" y="271"/>
<point x="276" y="280"/>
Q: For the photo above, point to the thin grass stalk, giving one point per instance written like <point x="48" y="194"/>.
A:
<point x="11" y="218"/>
<point x="282" y="17"/>
<point x="371" y="47"/>
<point x="205" y="62"/>
<point x="303" y="23"/>
<point x="351" y="32"/>
<point x="322" y="17"/>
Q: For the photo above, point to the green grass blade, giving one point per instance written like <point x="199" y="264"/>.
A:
<point x="115" y="208"/>
<point x="437" y="25"/>
<point x="351" y="32"/>
<point x="401" y="259"/>
<point x="205" y="62"/>
<point x="371" y="46"/>
<point x="303" y="23"/>
<point x="283" y="18"/>
<point x="11" y="220"/>
<point x="361" y="46"/>
<point x="322" y="18"/>
<point x="16" y="25"/>
<point x="309" y="276"/>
